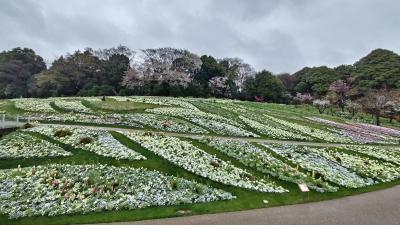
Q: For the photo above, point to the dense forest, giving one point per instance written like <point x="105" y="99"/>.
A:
<point x="372" y="82"/>
<point x="178" y="72"/>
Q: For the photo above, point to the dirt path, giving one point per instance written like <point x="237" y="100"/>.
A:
<point x="198" y="136"/>
<point x="374" y="208"/>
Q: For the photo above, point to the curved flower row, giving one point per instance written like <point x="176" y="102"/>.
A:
<point x="23" y="145"/>
<point x="358" y="134"/>
<point x="262" y="161"/>
<point x="196" y="114"/>
<point x="165" y="123"/>
<point x="390" y="154"/>
<point x="330" y="170"/>
<point x="114" y="119"/>
<point x="381" y="171"/>
<point x="72" y="105"/>
<point x="222" y="128"/>
<point x="193" y="159"/>
<point x="34" y="105"/>
<point x="271" y="131"/>
<point x="181" y="102"/>
<point x="98" y="141"/>
<point x="313" y="132"/>
<point x="65" y="189"/>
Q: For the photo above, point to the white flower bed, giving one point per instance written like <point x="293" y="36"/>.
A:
<point x="193" y="159"/>
<point x="391" y="154"/>
<point x="222" y="128"/>
<point x="381" y="171"/>
<point x="188" y="113"/>
<point x="330" y="170"/>
<point x="157" y="100"/>
<point x="65" y="189"/>
<point x="101" y="142"/>
<point x="23" y="145"/>
<point x="34" y="105"/>
<point x="165" y="123"/>
<point x="313" y="132"/>
<point x="109" y="119"/>
<point x="72" y="105"/>
<point x="264" y="162"/>
<point x="271" y="131"/>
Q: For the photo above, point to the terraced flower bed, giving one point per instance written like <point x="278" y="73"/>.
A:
<point x="126" y="158"/>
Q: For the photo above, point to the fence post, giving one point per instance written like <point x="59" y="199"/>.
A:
<point x="3" y="120"/>
<point x="17" y="120"/>
<point x="29" y="118"/>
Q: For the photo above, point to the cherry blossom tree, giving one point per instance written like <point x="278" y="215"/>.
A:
<point x="340" y="88"/>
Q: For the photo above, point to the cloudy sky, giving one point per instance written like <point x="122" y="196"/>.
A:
<point x="278" y="35"/>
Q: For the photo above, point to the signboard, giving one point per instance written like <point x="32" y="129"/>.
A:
<point x="303" y="187"/>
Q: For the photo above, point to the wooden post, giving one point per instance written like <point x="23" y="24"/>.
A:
<point x="17" y="120"/>
<point x="29" y="119"/>
<point x="3" y="120"/>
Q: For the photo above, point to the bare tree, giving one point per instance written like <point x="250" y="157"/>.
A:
<point x="376" y="101"/>
<point x="392" y="109"/>
<point x="321" y="105"/>
<point x="340" y="88"/>
<point x="353" y="107"/>
<point x="219" y="86"/>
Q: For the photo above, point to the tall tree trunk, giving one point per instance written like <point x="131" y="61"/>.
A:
<point x="377" y="120"/>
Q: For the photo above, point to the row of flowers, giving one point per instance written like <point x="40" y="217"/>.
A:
<point x="72" y="106"/>
<point x="320" y="166"/>
<point x="271" y="131"/>
<point x="390" y="154"/>
<point x="366" y="167"/>
<point x="109" y="119"/>
<point x="193" y="159"/>
<point x="34" y="105"/>
<point x="359" y="134"/>
<point x="213" y="122"/>
<point x="313" y="132"/>
<point x="264" y="162"/>
<point x="24" y="145"/>
<point x="97" y="140"/>
<point x="65" y="189"/>
<point x="164" y="123"/>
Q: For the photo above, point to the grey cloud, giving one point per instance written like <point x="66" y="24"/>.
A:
<point x="278" y="35"/>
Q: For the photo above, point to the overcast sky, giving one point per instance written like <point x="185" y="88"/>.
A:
<point x="278" y="35"/>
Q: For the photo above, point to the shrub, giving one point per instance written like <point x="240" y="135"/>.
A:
<point x="85" y="140"/>
<point x="62" y="133"/>
<point x="27" y="125"/>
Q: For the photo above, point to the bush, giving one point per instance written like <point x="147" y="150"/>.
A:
<point x="85" y="140"/>
<point x="27" y="125"/>
<point x="62" y="133"/>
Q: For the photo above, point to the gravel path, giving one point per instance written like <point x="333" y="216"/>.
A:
<point x="374" y="208"/>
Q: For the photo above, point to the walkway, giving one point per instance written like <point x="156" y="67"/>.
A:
<point x="374" y="208"/>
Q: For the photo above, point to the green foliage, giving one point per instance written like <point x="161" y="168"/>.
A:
<point x="379" y="69"/>
<point x="264" y="84"/>
<point x="315" y="80"/>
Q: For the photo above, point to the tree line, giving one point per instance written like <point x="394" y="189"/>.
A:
<point x="179" y="72"/>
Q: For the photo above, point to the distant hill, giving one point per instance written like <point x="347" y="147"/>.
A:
<point x="379" y="69"/>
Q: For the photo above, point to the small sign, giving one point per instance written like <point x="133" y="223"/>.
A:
<point x="303" y="187"/>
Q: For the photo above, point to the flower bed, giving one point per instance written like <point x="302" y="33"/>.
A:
<point x="193" y="159"/>
<point x="65" y="189"/>
<point x="271" y="131"/>
<point x="165" y="123"/>
<point x="360" y="134"/>
<point x="72" y="106"/>
<point x="330" y="170"/>
<point x="391" y="154"/>
<point x="98" y="141"/>
<point x="262" y="161"/>
<point x="379" y="171"/>
<point x="23" y="145"/>
<point x="313" y="132"/>
<point x="34" y="105"/>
